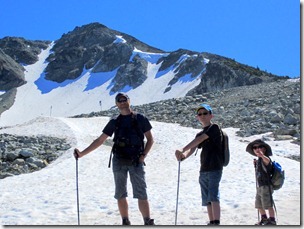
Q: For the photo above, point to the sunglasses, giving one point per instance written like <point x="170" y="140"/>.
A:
<point x="122" y="100"/>
<point x="258" y="147"/>
<point x="204" y="113"/>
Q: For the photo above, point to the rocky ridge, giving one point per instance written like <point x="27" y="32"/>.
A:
<point x="268" y="107"/>
<point x="261" y="108"/>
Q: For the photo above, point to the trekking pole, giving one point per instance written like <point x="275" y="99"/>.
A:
<point x="76" y="157"/>
<point x="256" y="183"/>
<point x="178" y="175"/>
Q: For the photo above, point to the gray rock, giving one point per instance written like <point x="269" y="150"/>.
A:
<point x="26" y="153"/>
<point x="11" y="156"/>
<point x="290" y="119"/>
<point x="18" y="161"/>
<point x="39" y="163"/>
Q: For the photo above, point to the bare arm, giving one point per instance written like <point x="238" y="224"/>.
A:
<point x="94" y="145"/>
<point x="195" y="142"/>
<point x="189" y="149"/>
<point x="149" y="142"/>
<point x="148" y="145"/>
<point x="265" y="159"/>
<point x="180" y="156"/>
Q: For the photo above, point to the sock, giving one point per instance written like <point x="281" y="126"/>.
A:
<point x="272" y="218"/>
<point x="264" y="216"/>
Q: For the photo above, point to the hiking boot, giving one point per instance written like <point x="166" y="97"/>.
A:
<point x="263" y="221"/>
<point x="149" y="222"/>
<point x="126" y="222"/>
<point x="271" y="222"/>
<point x="214" y="222"/>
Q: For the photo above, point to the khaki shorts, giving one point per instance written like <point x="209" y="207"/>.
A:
<point x="263" y="198"/>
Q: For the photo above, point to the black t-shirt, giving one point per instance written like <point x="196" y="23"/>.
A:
<point x="211" y="154"/>
<point x="128" y="134"/>
<point x="126" y="123"/>
<point x="262" y="172"/>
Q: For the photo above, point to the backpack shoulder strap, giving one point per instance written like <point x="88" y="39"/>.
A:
<point x="135" y="123"/>
<point x="117" y="125"/>
<point x="200" y="133"/>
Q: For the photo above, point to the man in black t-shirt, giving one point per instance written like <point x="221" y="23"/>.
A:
<point x="129" y="152"/>
<point x="209" y="139"/>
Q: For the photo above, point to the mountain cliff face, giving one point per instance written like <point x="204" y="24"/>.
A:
<point x="14" y="53"/>
<point x="97" y="48"/>
<point x="12" y="73"/>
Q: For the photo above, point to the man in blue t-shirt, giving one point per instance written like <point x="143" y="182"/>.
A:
<point x="129" y="153"/>
<point x="209" y="139"/>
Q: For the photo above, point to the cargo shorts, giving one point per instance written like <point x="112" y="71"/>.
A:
<point x="137" y="178"/>
<point x="263" y="198"/>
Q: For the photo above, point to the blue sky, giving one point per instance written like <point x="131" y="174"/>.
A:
<point x="259" y="33"/>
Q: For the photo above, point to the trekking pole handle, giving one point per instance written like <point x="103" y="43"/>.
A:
<point x="76" y="154"/>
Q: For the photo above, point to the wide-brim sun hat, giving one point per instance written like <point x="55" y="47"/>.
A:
<point x="249" y="148"/>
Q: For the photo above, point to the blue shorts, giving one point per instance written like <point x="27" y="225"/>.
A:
<point x="209" y="182"/>
<point x="137" y="177"/>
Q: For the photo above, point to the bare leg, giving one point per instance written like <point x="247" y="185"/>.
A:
<point x="216" y="210"/>
<point x="262" y="211"/>
<point x="144" y="208"/>
<point x="123" y="207"/>
<point x="210" y="212"/>
<point x="271" y="212"/>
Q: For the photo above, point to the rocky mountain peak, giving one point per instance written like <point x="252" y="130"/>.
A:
<point x="125" y="60"/>
<point x="92" y="46"/>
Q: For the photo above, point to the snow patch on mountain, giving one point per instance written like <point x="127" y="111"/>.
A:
<point x="90" y="91"/>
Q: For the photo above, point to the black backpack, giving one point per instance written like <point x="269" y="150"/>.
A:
<point x="225" y="148"/>
<point x="122" y="140"/>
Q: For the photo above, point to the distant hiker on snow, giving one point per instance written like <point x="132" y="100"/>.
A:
<point x="129" y="153"/>
<point x="210" y="141"/>
<point x="264" y="190"/>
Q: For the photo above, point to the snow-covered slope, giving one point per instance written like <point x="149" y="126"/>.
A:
<point x="89" y="92"/>
<point x="48" y="196"/>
